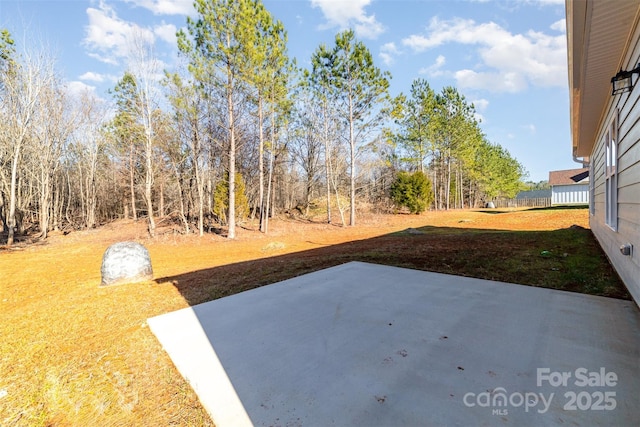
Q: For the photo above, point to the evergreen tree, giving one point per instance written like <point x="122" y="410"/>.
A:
<point x="456" y="136"/>
<point x="268" y="77"/>
<point x="498" y="173"/>
<point x="318" y="80"/>
<point x="412" y="191"/>
<point x="221" y="49"/>
<point x="362" y="91"/>
<point x="127" y="130"/>
<point x="414" y="119"/>
<point x="221" y="206"/>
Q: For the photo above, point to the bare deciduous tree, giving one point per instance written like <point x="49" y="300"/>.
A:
<point x="144" y="66"/>
<point x="24" y="80"/>
<point x="89" y="139"/>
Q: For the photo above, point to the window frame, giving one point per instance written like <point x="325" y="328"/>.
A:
<point x="592" y="190"/>
<point x="611" y="174"/>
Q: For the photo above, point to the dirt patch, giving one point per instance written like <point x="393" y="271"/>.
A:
<point x="73" y="353"/>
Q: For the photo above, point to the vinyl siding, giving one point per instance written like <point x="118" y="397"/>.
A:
<point x="577" y="194"/>
<point x="628" y="178"/>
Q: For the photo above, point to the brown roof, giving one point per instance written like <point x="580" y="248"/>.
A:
<point x="568" y="177"/>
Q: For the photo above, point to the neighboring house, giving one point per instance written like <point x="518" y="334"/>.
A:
<point x="534" y="194"/>
<point x="569" y="187"/>
<point x="603" y="39"/>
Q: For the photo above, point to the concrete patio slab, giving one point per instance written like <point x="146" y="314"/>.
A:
<point x="370" y="345"/>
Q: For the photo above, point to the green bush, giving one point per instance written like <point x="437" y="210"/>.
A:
<point x="221" y="198"/>
<point x="412" y="191"/>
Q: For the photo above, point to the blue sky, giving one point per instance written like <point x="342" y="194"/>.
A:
<point x="508" y="57"/>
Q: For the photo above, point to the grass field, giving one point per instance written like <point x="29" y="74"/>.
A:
<point x="74" y="353"/>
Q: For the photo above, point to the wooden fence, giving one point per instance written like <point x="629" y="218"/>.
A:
<point x="541" y="202"/>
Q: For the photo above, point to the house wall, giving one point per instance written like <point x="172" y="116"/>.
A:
<point x="576" y="194"/>
<point x="628" y="169"/>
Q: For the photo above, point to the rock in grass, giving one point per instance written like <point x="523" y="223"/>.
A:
<point x="413" y="231"/>
<point x="272" y="246"/>
<point x="125" y="262"/>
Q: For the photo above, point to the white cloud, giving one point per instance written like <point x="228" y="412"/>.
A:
<point x="106" y="59"/>
<point x="541" y="3"/>
<point x="560" y="25"/>
<point x="492" y="81"/>
<point x="166" y="32"/>
<point x="93" y="77"/>
<point x="166" y="7"/>
<point x="464" y="31"/>
<point x="77" y="89"/>
<point x="547" y="2"/>
<point x="350" y="14"/>
<point x="480" y="104"/>
<point x="150" y="68"/>
<point x="420" y="43"/>
<point x="368" y="28"/>
<point x="108" y="38"/>
<point x="98" y="77"/>
<point x="509" y="62"/>
<point x="388" y="52"/>
<point x="531" y="128"/>
<point x="435" y="69"/>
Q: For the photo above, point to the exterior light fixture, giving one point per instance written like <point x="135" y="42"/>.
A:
<point x="626" y="249"/>
<point x="623" y="81"/>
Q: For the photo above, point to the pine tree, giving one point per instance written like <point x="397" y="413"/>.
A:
<point x="362" y="91"/>
<point x="220" y="47"/>
<point x="268" y="75"/>
<point x="414" y="119"/>
<point x="127" y="130"/>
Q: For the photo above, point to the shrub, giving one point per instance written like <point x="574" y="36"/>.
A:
<point x="221" y="197"/>
<point x="412" y="191"/>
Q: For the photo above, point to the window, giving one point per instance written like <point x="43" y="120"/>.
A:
<point x="610" y="175"/>
<point x="592" y="189"/>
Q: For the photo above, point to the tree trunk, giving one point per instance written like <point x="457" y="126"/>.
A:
<point x="268" y="198"/>
<point x="448" y="188"/>
<point x="181" y="193"/>
<point x="45" y="200"/>
<point x="161" y="206"/>
<point x="261" y="164"/>
<point x="327" y="161"/>
<point x="436" y="193"/>
<point x="209" y="194"/>
<point x="3" y="213"/>
<point x="92" y="193"/>
<point x="148" y="186"/>
<point x="132" y="188"/>
<point x="199" y="182"/>
<point x="231" y="220"/>
<point x="338" y="204"/>
<point x="268" y="202"/>
<point x="352" y="144"/>
<point x="11" y="220"/>
<point x="55" y="208"/>
<point x="67" y="211"/>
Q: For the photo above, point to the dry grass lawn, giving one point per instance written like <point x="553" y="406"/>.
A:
<point x="74" y="353"/>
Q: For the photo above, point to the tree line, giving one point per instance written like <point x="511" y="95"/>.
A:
<point x="236" y="130"/>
